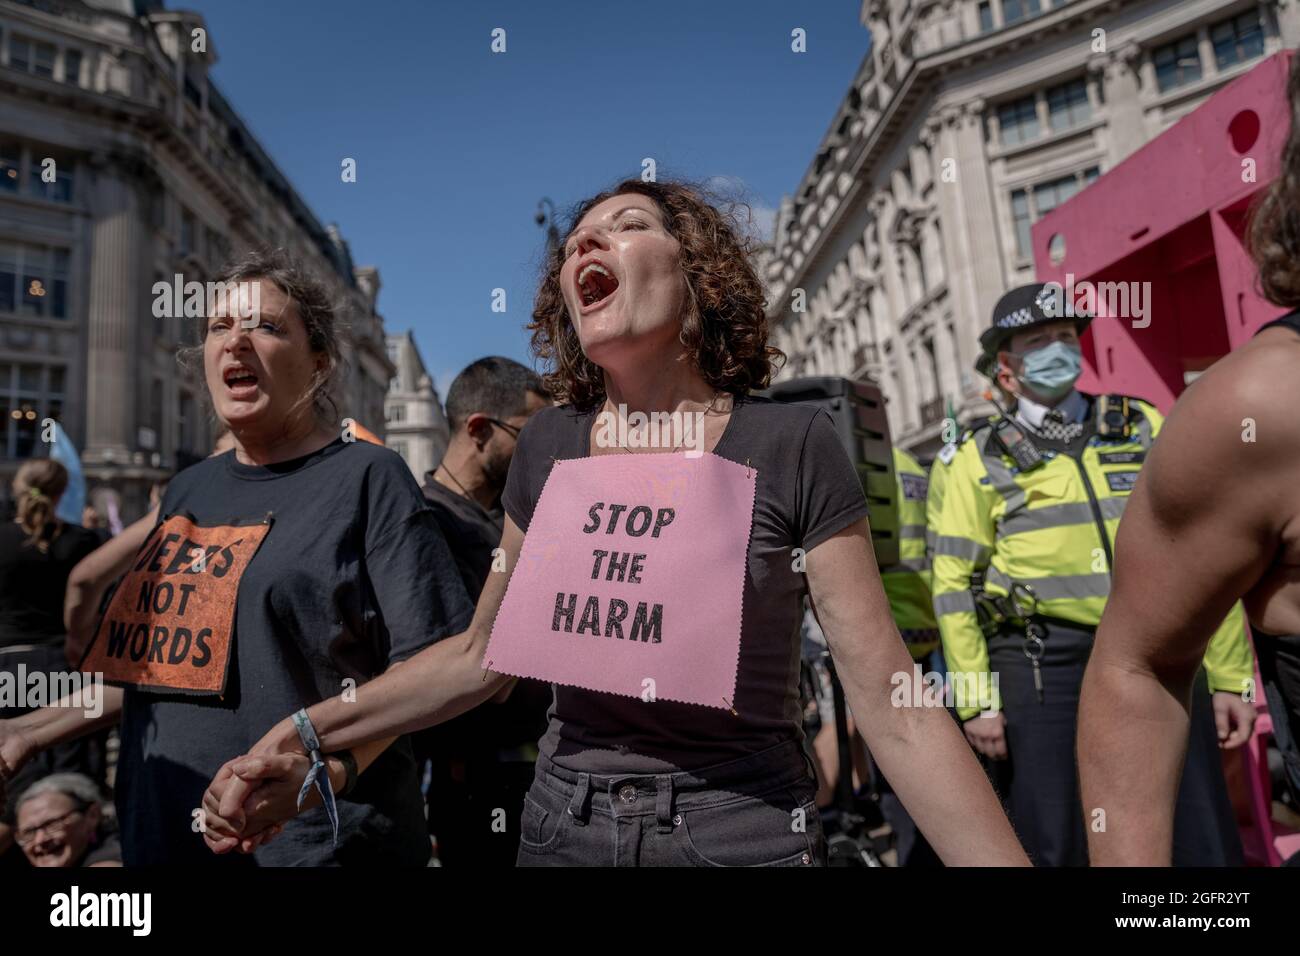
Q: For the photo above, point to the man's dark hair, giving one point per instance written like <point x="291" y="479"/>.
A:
<point x="496" y="386"/>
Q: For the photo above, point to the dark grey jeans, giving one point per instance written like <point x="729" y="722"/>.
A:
<point x="756" y="811"/>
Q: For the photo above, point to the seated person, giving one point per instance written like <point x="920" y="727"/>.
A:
<point x="60" y="823"/>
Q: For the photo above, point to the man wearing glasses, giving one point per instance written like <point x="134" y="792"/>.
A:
<point x="482" y="761"/>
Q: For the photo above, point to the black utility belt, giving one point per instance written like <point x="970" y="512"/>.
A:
<point x="1008" y="627"/>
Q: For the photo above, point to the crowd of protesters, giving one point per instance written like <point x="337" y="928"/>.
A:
<point x="323" y="698"/>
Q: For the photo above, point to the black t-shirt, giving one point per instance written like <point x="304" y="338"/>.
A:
<point x="354" y="575"/>
<point x="471" y="532"/>
<point x="480" y="734"/>
<point x="33" y="582"/>
<point x="807" y="490"/>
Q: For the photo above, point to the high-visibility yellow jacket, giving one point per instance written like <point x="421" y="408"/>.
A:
<point x="934" y="496"/>
<point x="907" y="584"/>
<point x="1052" y="528"/>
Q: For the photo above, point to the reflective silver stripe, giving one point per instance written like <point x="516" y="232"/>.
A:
<point x="1113" y="507"/>
<point x="1058" y="587"/>
<point x="911" y="531"/>
<point x="1048" y="516"/>
<point x="1060" y="516"/>
<point x="954" y="603"/>
<point x="1003" y="482"/>
<point x="994" y="576"/>
<point x="965" y="548"/>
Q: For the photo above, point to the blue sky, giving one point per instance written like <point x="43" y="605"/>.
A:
<point x="455" y="145"/>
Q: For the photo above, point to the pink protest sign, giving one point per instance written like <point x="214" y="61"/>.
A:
<point x="631" y="577"/>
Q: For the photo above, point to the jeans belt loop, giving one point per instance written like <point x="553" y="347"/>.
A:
<point x="580" y="804"/>
<point x="664" y="803"/>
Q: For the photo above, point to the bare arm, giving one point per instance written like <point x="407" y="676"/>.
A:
<point x="22" y="738"/>
<point x="1198" y="532"/>
<point x="92" y="577"/>
<point x="435" y="685"/>
<point x="920" y="749"/>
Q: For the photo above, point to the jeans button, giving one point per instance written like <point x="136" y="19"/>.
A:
<point x="805" y="859"/>
<point x="677" y="819"/>
<point x="627" y="793"/>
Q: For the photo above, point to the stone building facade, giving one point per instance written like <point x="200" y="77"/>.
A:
<point x="966" y="122"/>
<point x="122" y="165"/>
<point x="417" y="427"/>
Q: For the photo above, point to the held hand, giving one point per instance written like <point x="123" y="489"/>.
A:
<point x="237" y="827"/>
<point x="1234" y="719"/>
<point x="988" y="735"/>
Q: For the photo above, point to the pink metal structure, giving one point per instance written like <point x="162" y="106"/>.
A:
<point x="1168" y="226"/>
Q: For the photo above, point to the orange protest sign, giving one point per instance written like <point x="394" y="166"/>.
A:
<point x="171" y="622"/>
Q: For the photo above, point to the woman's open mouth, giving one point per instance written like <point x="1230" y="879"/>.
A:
<point x="596" y="285"/>
<point x="240" y="381"/>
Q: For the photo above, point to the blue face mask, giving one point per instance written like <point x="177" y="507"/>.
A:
<point x="1052" y="370"/>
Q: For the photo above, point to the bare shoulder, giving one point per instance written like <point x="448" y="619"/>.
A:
<point x="1233" y="438"/>
<point x="1250" y="396"/>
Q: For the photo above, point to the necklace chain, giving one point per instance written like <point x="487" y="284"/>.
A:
<point x="716" y="396"/>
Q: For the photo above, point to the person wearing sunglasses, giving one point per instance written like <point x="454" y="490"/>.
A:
<point x="482" y="760"/>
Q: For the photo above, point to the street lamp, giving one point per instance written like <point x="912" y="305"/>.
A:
<point x="546" y="217"/>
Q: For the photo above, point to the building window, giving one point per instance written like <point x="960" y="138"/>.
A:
<point x="31" y="56"/>
<point x="186" y="440"/>
<point x="1237" y="40"/>
<point x="11" y="160"/>
<point x="72" y="67"/>
<point x="1177" y="64"/>
<point x="1022" y="219"/>
<point x="60" y="190"/>
<point x="399" y="447"/>
<point x="395" y="413"/>
<point x="33" y="280"/>
<point x="192" y="93"/>
<point x="1067" y="105"/>
<point x="1028" y="206"/>
<point x="187" y="232"/>
<point x="986" y="16"/>
<point x="1018" y="121"/>
<point x="1016" y="10"/>
<point x="29" y="393"/>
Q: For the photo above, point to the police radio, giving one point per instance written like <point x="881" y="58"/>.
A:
<point x="1113" y="416"/>
<point x="1013" y="440"/>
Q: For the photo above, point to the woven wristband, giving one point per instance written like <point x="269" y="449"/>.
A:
<point x="318" y="774"/>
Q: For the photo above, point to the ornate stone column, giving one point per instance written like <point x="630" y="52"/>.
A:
<point x="115" y="309"/>
<point x="1120" y="72"/>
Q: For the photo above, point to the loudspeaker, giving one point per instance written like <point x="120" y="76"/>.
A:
<point x="858" y="411"/>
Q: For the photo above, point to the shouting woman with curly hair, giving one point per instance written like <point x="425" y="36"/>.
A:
<point x="651" y="309"/>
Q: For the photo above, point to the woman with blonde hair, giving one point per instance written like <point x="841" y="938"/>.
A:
<point x="37" y="554"/>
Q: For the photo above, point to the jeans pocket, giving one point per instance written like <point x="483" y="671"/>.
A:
<point x="542" y="824"/>
<point x="774" y="829"/>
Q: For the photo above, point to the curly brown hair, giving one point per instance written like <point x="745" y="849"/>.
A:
<point x="725" y="326"/>
<point x="1274" y="234"/>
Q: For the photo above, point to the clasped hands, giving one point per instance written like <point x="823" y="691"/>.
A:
<point x="254" y="795"/>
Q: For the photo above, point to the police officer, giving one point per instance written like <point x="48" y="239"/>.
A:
<point x="907" y="585"/>
<point x="1031" y="504"/>
<point x="939" y="467"/>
